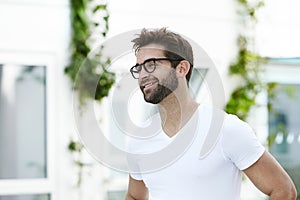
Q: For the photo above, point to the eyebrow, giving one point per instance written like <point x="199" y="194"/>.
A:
<point x="145" y="61"/>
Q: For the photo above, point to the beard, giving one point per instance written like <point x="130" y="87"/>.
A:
<point x="164" y="87"/>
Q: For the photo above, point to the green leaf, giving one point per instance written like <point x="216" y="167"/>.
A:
<point x="99" y="7"/>
<point x="75" y="146"/>
<point x="82" y="24"/>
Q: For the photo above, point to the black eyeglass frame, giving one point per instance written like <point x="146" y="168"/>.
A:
<point x="132" y="71"/>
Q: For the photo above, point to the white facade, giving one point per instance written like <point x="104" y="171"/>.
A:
<point x="37" y="32"/>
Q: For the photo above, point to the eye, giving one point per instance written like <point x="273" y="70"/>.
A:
<point x="137" y="68"/>
<point x="150" y="65"/>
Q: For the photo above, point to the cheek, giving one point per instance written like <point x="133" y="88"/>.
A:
<point x="163" y="72"/>
<point x="140" y="81"/>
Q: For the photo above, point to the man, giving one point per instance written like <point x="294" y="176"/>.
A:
<point x="163" y="70"/>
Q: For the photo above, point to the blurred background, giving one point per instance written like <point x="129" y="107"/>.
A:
<point x="42" y="42"/>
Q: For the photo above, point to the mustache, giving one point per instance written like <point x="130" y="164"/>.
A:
<point x="148" y="79"/>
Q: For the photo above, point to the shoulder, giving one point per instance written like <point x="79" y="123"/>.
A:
<point x="239" y="142"/>
<point x="233" y="127"/>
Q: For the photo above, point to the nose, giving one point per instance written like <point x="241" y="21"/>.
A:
<point x="143" y="73"/>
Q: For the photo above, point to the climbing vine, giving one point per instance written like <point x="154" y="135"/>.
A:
<point x="247" y="65"/>
<point x="89" y="25"/>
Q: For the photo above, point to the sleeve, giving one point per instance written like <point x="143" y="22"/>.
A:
<point x="132" y="161"/>
<point x="240" y="144"/>
<point x="133" y="167"/>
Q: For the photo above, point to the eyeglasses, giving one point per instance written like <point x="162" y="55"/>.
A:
<point x="149" y="65"/>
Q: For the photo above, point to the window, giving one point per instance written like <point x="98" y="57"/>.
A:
<point x="22" y="122"/>
<point x="26" y="197"/>
<point x="26" y="127"/>
<point x="284" y="126"/>
<point x="135" y="112"/>
<point x="283" y="119"/>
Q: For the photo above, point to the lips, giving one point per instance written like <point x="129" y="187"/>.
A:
<point x="146" y="83"/>
<point x="147" y="86"/>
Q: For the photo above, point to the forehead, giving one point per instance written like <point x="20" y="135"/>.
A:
<point x="150" y="51"/>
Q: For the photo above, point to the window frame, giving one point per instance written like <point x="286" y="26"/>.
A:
<point x="278" y="72"/>
<point x="36" y="185"/>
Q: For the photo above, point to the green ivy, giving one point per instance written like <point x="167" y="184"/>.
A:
<point x="247" y="65"/>
<point x="85" y="21"/>
<point x="88" y="18"/>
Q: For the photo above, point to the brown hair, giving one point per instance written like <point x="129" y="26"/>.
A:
<point x="175" y="45"/>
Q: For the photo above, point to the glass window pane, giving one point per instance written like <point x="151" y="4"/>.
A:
<point x="22" y="121"/>
<point x="284" y="128"/>
<point x="26" y="197"/>
<point x="115" y="195"/>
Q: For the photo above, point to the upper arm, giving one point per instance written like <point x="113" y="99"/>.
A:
<point x="269" y="177"/>
<point x="245" y="149"/>
<point x="136" y="190"/>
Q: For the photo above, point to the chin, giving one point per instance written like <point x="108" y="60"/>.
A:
<point x="152" y="100"/>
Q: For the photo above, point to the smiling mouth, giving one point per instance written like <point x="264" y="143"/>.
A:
<point x="148" y="85"/>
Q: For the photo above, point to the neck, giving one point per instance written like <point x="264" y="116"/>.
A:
<point x="175" y="111"/>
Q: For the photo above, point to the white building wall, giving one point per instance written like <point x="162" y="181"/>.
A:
<point x="41" y="27"/>
<point x="32" y="30"/>
<point x="211" y="24"/>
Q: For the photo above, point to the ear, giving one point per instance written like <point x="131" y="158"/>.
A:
<point x="183" y="68"/>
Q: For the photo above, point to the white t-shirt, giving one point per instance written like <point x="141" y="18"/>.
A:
<point x="174" y="169"/>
